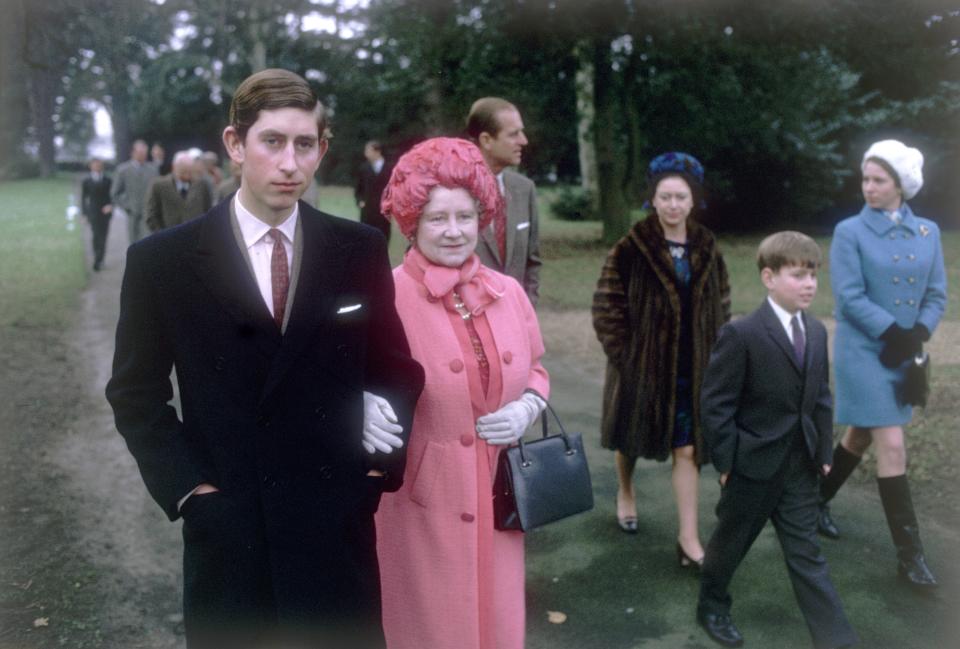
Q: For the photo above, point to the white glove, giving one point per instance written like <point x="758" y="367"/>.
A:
<point x="381" y="432"/>
<point x="507" y="425"/>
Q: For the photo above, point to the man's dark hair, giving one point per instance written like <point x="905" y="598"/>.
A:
<point x="272" y="89"/>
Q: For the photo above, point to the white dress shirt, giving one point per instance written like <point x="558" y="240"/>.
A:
<point x="259" y="242"/>
<point x="785" y="318"/>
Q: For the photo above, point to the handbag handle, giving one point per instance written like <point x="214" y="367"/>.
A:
<point x="524" y="462"/>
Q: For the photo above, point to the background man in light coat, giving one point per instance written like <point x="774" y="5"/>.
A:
<point x="129" y="189"/>
<point x="177" y="197"/>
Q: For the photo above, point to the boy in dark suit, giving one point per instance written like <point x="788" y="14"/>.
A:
<point x="767" y="419"/>
<point x="97" y="209"/>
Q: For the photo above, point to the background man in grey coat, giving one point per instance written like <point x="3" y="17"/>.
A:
<point x="130" y="184"/>
<point x="511" y="247"/>
<point x="179" y="196"/>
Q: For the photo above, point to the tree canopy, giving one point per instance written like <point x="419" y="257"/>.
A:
<point x="778" y="100"/>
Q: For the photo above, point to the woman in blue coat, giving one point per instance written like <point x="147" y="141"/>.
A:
<point x="886" y="269"/>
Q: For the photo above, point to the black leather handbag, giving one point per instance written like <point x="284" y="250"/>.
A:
<point x="541" y="481"/>
<point x="915" y="389"/>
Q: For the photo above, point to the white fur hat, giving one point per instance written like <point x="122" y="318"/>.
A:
<point x="906" y="161"/>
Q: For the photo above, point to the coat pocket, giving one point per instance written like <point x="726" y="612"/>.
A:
<point x="431" y="464"/>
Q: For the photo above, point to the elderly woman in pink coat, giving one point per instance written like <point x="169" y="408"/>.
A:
<point x="449" y="579"/>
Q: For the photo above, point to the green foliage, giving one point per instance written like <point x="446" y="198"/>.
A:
<point x="573" y="204"/>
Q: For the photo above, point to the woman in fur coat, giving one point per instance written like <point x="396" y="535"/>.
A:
<point x="661" y="298"/>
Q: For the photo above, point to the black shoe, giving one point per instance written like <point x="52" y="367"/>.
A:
<point x="97" y="266"/>
<point x="627" y="524"/>
<point x="686" y="561"/>
<point x="913" y="569"/>
<point x="721" y="629"/>
<point x="825" y="525"/>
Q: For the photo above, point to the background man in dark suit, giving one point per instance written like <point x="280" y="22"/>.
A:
<point x="371" y="179"/>
<point x="767" y="418"/>
<point x="293" y="370"/>
<point x="511" y="246"/>
<point x="95" y="199"/>
<point x="129" y="188"/>
<point x="177" y="197"/>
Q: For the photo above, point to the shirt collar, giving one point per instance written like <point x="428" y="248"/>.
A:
<point x="377" y="165"/>
<point x="253" y="229"/>
<point x="500" y="183"/>
<point x="783" y="315"/>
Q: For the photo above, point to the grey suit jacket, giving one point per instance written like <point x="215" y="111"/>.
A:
<point x="523" y="238"/>
<point x="756" y="398"/>
<point x="130" y="183"/>
<point x="165" y="207"/>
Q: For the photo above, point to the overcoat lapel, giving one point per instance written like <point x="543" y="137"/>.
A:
<point x="776" y="331"/>
<point x="220" y="265"/>
<point x="318" y="286"/>
<point x="488" y="238"/>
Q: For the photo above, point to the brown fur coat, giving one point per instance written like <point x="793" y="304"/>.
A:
<point x="636" y="314"/>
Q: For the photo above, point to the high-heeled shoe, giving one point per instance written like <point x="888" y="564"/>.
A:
<point x="627" y="524"/>
<point x="686" y="561"/>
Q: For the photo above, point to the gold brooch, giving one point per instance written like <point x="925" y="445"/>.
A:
<point x="924" y="230"/>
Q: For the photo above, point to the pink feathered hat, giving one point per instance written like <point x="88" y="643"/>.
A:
<point x="445" y="162"/>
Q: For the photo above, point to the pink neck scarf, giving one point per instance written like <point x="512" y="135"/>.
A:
<point x="476" y="285"/>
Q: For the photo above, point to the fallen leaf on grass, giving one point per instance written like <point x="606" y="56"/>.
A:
<point x="556" y="617"/>
<point x="41" y="621"/>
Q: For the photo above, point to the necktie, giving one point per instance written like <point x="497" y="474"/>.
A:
<point x="184" y="187"/>
<point x="279" y="277"/>
<point x="799" y="344"/>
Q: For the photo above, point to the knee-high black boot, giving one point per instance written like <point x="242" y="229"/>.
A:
<point x="898" y="506"/>
<point x="844" y="462"/>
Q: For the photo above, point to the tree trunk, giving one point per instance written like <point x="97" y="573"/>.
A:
<point x="13" y="80"/>
<point x="634" y="177"/>
<point x="258" y="51"/>
<point x="120" y="119"/>
<point x="613" y="207"/>
<point x="43" y="91"/>
<point x="586" y="116"/>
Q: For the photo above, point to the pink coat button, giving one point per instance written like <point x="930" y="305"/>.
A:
<point x="466" y="518"/>
<point x="456" y="365"/>
<point x="466" y="440"/>
<point x="507" y="357"/>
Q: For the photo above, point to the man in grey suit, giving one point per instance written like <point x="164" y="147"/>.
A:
<point x="179" y="196"/>
<point x="513" y="246"/>
<point x="129" y="188"/>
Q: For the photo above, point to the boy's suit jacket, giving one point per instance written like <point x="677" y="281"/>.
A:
<point x="756" y="397"/>
<point x="94" y="194"/>
<point x="274" y="421"/>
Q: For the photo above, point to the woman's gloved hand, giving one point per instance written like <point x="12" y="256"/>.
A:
<point x="507" y="425"/>
<point x="901" y="344"/>
<point x="381" y="432"/>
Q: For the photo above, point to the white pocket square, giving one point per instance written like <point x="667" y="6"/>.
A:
<point x="523" y="226"/>
<point x="348" y="309"/>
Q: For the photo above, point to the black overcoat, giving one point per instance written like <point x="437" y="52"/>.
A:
<point x="274" y="421"/>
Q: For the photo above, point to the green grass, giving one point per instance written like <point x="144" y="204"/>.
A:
<point x="42" y="265"/>
<point x="573" y="256"/>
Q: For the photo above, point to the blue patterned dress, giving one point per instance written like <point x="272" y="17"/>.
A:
<point x="683" y="420"/>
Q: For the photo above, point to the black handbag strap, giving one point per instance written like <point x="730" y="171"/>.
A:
<point x="563" y="433"/>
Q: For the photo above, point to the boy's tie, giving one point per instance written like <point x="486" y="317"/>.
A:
<point x="799" y="344"/>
